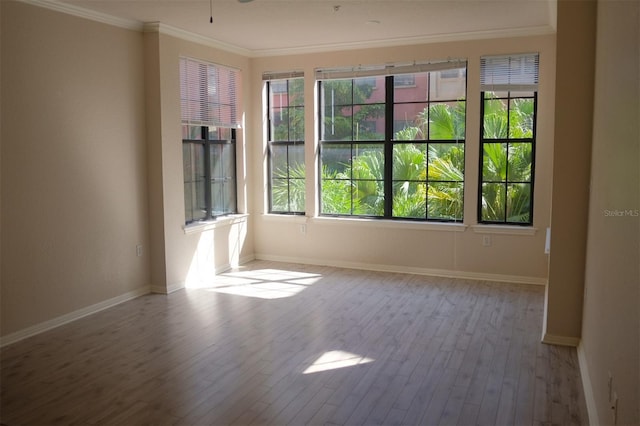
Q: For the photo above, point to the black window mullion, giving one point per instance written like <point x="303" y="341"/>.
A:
<point x="427" y="146"/>
<point x="351" y="187"/>
<point x="204" y="133"/>
<point x="533" y="155"/>
<point x="388" y="147"/>
<point x="270" y="144"/>
<point x="506" y="171"/>
<point x="289" y="124"/>
<point x="288" y="167"/>
<point x="234" y="177"/>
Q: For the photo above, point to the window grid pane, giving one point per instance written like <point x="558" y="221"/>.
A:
<point x="209" y="185"/>
<point x="435" y="116"/>
<point x="507" y="157"/>
<point x="287" y="187"/>
<point x="416" y="171"/>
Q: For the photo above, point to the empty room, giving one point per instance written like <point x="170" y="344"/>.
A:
<point x="393" y="212"/>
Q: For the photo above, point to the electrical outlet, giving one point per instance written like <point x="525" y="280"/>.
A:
<point x="303" y="229"/>
<point x="139" y="250"/>
<point x="486" y="240"/>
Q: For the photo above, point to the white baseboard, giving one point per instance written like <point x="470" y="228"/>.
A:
<point x="592" y="410"/>
<point x="71" y="316"/>
<point x="516" y="279"/>
<point x="553" y="339"/>
<point x="179" y="285"/>
<point x="80" y="313"/>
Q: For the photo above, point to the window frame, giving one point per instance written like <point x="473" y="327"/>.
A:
<point x="507" y="141"/>
<point x="509" y="73"/>
<point x="209" y="105"/>
<point x="388" y="143"/>
<point x="211" y="213"/>
<point x="287" y="144"/>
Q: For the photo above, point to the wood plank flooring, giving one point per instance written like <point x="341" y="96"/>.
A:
<point x="384" y="348"/>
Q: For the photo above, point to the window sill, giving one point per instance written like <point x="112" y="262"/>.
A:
<point x="223" y="221"/>
<point x="290" y="218"/>
<point x="504" y="229"/>
<point x="392" y="224"/>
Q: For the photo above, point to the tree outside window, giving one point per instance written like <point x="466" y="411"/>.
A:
<point x="392" y="151"/>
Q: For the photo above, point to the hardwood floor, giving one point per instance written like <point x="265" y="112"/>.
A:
<point x="275" y="343"/>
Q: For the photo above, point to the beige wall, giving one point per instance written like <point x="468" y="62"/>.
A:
<point x="411" y="247"/>
<point x="155" y="183"/>
<point x="611" y="322"/>
<point x="181" y="258"/>
<point x="572" y="152"/>
<point x="74" y="191"/>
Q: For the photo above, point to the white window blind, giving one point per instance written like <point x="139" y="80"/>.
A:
<point x="208" y="94"/>
<point x="281" y="75"/>
<point x="387" y="69"/>
<point x="509" y="73"/>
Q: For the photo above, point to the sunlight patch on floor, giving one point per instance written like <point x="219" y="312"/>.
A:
<point x="263" y="283"/>
<point x="333" y="360"/>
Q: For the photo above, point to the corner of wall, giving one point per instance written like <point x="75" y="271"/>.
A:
<point x="587" y="387"/>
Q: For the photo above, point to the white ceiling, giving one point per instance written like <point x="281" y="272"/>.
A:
<point x="263" y="27"/>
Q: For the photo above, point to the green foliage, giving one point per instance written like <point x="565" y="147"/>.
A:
<point x="362" y="180"/>
<point x="506" y="168"/>
<point x="290" y="123"/>
<point x="288" y="189"/>
<point x="341" y="121"/>
<point x="429" y="182"/>
<point x="444" y="161"/>
<point x="517" y="198"/>
<point x="409" y="173"/>
<point x="358" y="190"/>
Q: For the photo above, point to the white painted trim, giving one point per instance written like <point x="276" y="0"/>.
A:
<point x="289" y="218"/>
<point x="71" y="316"/>
<point x="159" y="27"/>
<point x="553" y="339"/>
<point x="504" y="229"/>
<point x="179" y="285"/>
<point x="92" y="15"/>
<point x="592" y="409"/>
<point x="392" y="224"/>
<point x="405" y="41"/>
<point x="213" y="224"/>
<point x="515" y="279"/>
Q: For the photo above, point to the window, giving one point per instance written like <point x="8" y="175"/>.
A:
<point x="286" y="143"/>
<point x="209" y="122"/>
<point x="404" y="80"/>
<point x="392" y="151"/>
<point x="507" y="159"/>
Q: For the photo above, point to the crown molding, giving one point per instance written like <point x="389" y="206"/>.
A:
<point x="80" y="12"/>
<point x="161" y="28"/>
<point x="406" y="41"/>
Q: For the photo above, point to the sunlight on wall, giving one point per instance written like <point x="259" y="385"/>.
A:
<point x="264" y="283"/>
<point x="202" y="268"/>
<point x="237" y="235"/>
<point x="216" y="249"/>
<point x="336" y="359"/>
